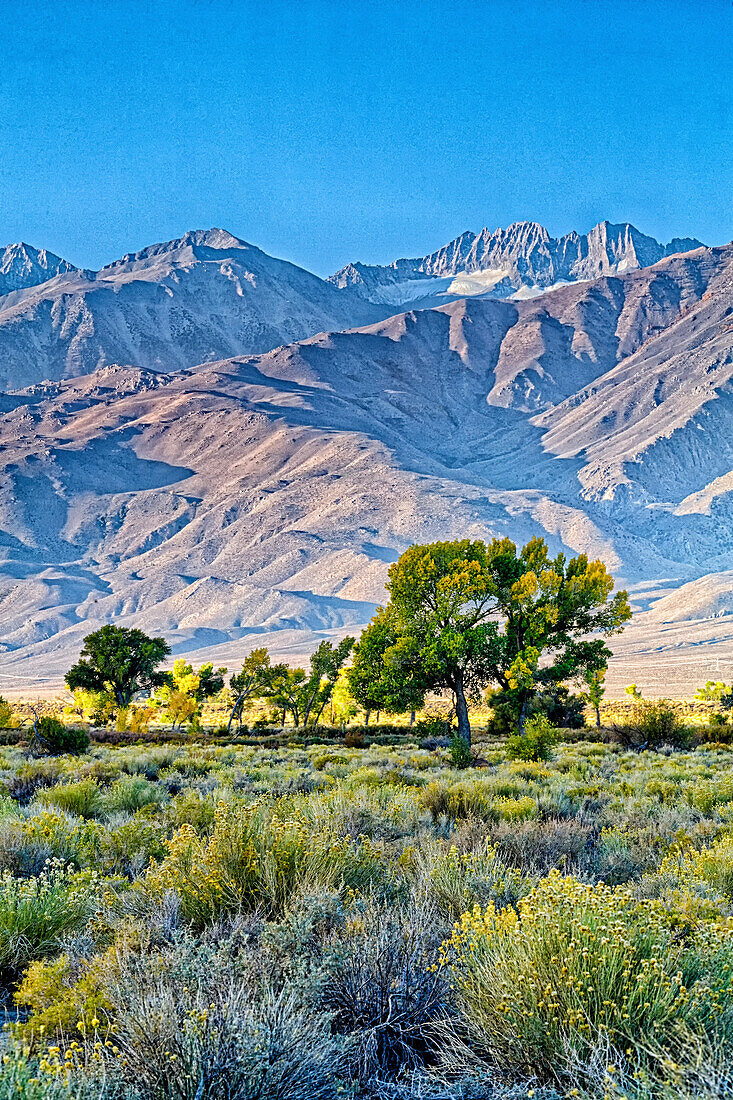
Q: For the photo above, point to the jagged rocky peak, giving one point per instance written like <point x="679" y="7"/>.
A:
<point x="22" y="265"/>
<point x="519" y="260"/>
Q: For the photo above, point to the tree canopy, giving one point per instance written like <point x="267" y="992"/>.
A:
<point x="466" y="614"/>
<point x="120" y="660"/>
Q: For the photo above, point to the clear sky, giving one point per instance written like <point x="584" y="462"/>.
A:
<point x="333" y="130"/>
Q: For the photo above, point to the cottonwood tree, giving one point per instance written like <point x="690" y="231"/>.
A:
<point x="256" y="678"/>
<point x="555" y="615"/>
<point x="384" y="674"/>
<point x="468" y="614"/>
<point x="438" y="624"/>
<point x="120" y="660"/>
<point x="303" y="694"/>
<point x="325" y="665"/>
<point x="182" y="696"/>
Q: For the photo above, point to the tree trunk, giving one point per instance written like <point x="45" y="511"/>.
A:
<point x="378" y="713"/>
<point x="412" y="717"/>
<point x="464" y="726"/>
<point x="240" y="699"/>
<point x="523" y="713"/>
<point x="598" y="715"/>
<point x="366" y="718"/>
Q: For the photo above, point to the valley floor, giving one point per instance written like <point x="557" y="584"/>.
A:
<point x="316" y="920"/>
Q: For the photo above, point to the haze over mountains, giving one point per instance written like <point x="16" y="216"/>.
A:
<point x="261" y="496"/>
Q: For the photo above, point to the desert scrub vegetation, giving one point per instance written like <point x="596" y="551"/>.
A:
<point x="221" y="920"/>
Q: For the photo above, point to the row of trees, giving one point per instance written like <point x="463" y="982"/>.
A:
<point x="117" y="664"/>
<point x="462" y="617"/>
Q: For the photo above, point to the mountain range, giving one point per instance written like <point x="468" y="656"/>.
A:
<point x="245" y="477"/>
<point x="518" y="262"/>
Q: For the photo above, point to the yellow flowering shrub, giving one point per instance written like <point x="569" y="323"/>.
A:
<point x="712" y="866"/>
<point x="574" y="963"/>
<point x="258" y="855"/>
<point x="56" y="996"/>
<point x="457" y="880"/>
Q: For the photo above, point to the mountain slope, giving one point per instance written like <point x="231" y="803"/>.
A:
<point x="203" y="297"/>
<point x="23" y="266"/>
<point x="262" y="497"/>
<point x="519" y="261"/>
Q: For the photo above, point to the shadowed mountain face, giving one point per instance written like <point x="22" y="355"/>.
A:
<point x="518" y="262"/>
<point x="203" y="297"/>
<point x="262" y="497"/>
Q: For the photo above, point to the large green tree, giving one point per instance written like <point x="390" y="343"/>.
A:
<point x="467" y="614"/>
<point x="385" y="674"/>
<point x="555" y="613"/>
<point x="120" y="660"/>
<point x="442" y="598"/>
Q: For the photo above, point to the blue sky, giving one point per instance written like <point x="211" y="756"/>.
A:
<point x="334" y="130"/>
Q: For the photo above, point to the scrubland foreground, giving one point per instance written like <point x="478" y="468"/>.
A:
<point x="196" y="921"/>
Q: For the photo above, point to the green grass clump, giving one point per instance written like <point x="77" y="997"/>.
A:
<point x="37" y="912"/>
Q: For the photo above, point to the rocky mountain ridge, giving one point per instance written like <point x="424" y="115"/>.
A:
<point x="23" y="266"/>
<point x="518" y="261"/>
<point x="204" y="296"/>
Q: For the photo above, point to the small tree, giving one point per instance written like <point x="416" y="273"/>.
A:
<point x="182" y="696"/>
<point x="119" y="660"/>
<point x="285" y="691"/>
<point x="713" y="692"/>
<point x="385" y="675"/>
<point x="325" y="665"/>
<point x="255" y="679"/>
<point x="342" y="705"/>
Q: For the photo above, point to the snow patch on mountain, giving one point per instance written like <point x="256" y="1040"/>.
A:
<point x="520" y="261"/>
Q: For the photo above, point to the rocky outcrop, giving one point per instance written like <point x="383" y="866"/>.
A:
<point x="522" y="258"/>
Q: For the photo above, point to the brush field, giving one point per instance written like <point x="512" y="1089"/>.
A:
<point x="244" y="920"/>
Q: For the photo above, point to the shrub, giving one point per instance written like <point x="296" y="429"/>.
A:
<point x="189" y="1027"/>
<point x="81" y="798"/>
<point x="130" y="793"/>
<point x="538" y="846"/>
<point x="32" y="777"/>
<point x="718" y="730"/>
<point x="384" y="993"/>
<point x="57" y="738"/>
<point x="560" y="707"/>
<point x="456" y="881"/>
<point x="574" y="962"/>
<point x="257" y="858"/>
<point x="459" y="751"/>
<point x="8" y="719"/>
<point x="535" y="743"/>
<point x="54" y="996"/>
<point x="36" y="913"/>
<point x="432" y="727"/>
<point x="652" y="724"/>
